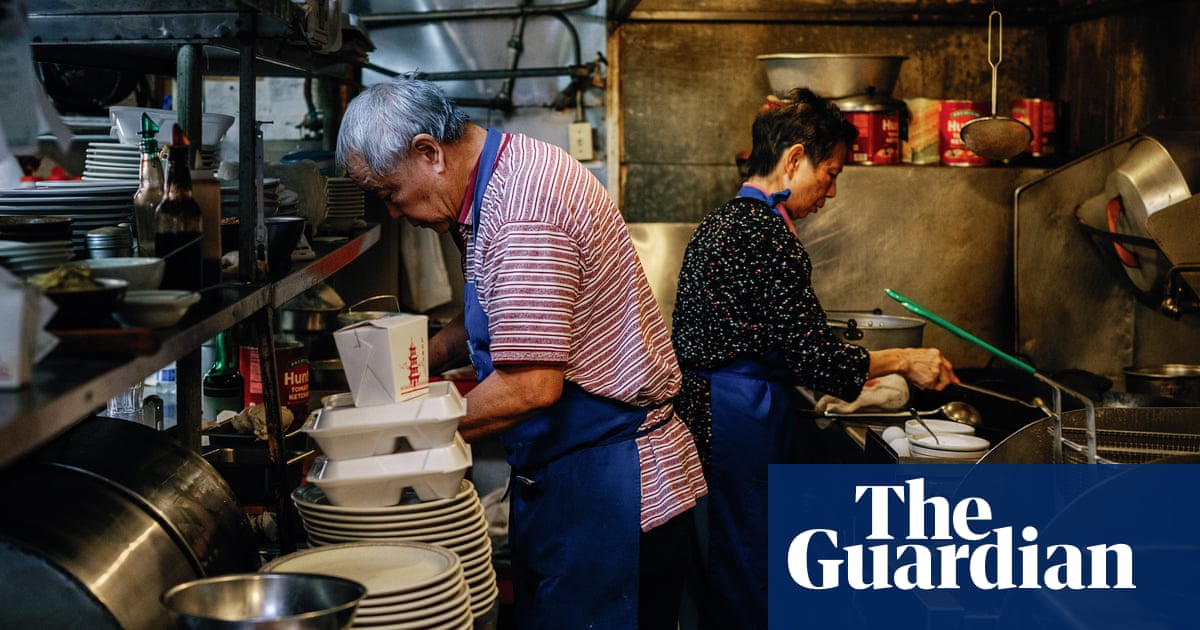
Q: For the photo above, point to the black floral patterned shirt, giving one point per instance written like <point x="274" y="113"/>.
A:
<point x="745" y="292"/>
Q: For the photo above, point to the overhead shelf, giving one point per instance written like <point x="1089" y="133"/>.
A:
<point x="67" y="389"/>
<point x="142" y="36"/>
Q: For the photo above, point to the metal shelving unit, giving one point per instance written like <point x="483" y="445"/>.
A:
<point x="186" y="40"/>
<point x="68" y="389"/>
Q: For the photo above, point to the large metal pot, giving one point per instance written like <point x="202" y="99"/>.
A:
<point x="194" y="505"/>
<point x="78" y="552"/>
<point x="351" y="316"/>
<point x="875" y="331"/>
<point x="1176" y="380"/>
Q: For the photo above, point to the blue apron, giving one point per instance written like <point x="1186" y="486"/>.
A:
<point x="753" y="424"/>
<point x="575" y="512"/>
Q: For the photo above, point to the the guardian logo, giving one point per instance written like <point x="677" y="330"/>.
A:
<point x="946" y="546"/>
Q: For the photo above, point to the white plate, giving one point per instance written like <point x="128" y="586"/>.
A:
<point x="384" y="568"/>
<point x="950" y="442"/>
<point x="433" y="590"/>
<point x="453" y="512"/>
<point x="917" y="451"/>
<point x="413" y="611"/>
<point x="912" y="427"/>
<point x="313" y="498"/>
<point x="454" y="521"/>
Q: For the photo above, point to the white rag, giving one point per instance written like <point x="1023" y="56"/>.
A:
<point x="886" y="392"/>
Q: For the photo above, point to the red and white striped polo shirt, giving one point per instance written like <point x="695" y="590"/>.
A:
<point x="561" y="284"/>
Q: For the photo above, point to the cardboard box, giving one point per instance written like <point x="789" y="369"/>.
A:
<point x="386" y="360"/>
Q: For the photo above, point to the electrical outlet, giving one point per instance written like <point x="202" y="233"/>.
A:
<point x="580" y="141"/>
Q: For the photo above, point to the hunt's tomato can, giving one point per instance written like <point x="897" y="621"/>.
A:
<point x="878" y="139"/>
<point x="291" y="377"/>
<point x="1040" y="115"/>
<point x="952" y="117"/>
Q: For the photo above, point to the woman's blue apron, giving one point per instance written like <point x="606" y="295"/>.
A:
<point x="753" y="424"/>
<point x="575" y="513"/>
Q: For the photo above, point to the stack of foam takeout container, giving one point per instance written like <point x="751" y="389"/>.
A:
<point x="394" y="432"/>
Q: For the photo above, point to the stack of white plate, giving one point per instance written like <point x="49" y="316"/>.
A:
<point x="410" y="585"/>
<point x="113" y="161"/>
<point x="26" y="259"/>
<point x="456" y="524"/>
<point x="231" y="197"/>
<point x="346" y="201"/>
<point x="90" y="205"/>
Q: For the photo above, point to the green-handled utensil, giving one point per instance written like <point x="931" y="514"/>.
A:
<point x="959" y="332"/>
<point x="1020" y="365"/>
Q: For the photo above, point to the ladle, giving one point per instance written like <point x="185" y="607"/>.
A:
<point x="955" y="410"/>
<point x="921" y="421"/>
<point x="996" y="137"/>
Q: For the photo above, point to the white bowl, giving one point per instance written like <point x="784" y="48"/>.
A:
<point x="949" y="442"/>
<point x="127" y="125"/>
<point x="143" y="273"/>
<point x="939" y="427"/>
<point x="156" y="309"/>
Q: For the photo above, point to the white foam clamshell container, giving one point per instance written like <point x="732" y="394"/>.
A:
<point x="380" y="481"/>
<point x="344" y="431"/>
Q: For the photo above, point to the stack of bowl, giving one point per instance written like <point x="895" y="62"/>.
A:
<point x="949" y="440"/>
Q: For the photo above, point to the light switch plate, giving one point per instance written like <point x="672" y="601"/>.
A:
<point x="580" y="141"/>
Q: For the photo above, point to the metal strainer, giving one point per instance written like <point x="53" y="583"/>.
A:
<point x="996" y="137"/>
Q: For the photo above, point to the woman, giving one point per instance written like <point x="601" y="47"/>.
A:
<point x="748" y="327"/>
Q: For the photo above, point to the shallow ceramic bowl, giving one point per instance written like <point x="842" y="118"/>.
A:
<point x="82" y="308"/>
<point x="156" y="309"/>
<point x="143" y="273"/>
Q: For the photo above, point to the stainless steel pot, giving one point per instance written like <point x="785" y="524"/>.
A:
<point x="311" y="320"/>
<point x="875" y="331"/>
<point x="78" y="552"/>
<point x="194" y="505"/>
<point x="351" y="316"/>
<point x="1176" y="380"/>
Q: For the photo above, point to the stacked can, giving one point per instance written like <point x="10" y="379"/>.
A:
<point x="952" y="116"/>
<point x="1040" y="115"/>
<point x="880" y="128"/>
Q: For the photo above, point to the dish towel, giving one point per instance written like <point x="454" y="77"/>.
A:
<point x="886" y="392"/>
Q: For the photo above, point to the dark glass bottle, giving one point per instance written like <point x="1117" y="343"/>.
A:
<point x="223" y="385"/>
<point x="179" y="221"/>
<point x="150" y="188"/>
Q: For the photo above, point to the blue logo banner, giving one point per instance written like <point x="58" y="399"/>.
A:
<point x="952" y="546"/>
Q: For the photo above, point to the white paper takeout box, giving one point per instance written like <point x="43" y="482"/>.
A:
<point x="380" y="481"/>
<point x="27" y="310"/>
<point x="347" y="431"/>
<point x="386" y="360"/>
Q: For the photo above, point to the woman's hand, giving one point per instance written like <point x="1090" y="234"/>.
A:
<point x="926" y="368"/>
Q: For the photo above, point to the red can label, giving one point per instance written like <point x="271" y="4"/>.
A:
<point x="878" y="139"/>
<point x="291" y="369"/>
<point x="1040" y="115"/>
<point x="952" y="116"/>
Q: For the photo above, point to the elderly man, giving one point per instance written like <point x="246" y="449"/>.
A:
<point x="575" y="366"/>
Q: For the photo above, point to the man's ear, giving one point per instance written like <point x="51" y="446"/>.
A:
<point x="427" y="149"/>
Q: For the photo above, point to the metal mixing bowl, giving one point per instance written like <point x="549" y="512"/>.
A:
<point x="265" y="601"/>
<point x="832" y="75"/>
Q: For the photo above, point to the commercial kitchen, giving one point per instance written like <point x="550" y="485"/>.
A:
<point x="1060" y="280"/>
